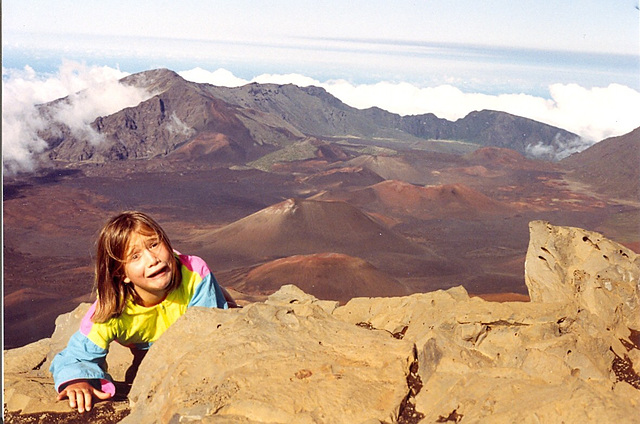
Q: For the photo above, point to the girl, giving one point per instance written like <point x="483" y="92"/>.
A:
<point x="143" y="287"/>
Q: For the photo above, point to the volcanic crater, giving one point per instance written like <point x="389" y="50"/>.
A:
<point x="351" y="214"/>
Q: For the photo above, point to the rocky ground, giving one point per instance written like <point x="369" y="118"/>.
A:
<point x="572" y="354"/>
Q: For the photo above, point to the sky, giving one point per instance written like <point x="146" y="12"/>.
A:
<point x="575" y="65"/>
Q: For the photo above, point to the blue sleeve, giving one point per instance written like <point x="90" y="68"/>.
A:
<point x="81" y="359"/>
<point x="208" y="294"/>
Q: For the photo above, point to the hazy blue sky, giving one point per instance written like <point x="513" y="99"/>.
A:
<point x="609" y="26"/>
<point x="573" y="64"/>
<point x="492" y="47"/>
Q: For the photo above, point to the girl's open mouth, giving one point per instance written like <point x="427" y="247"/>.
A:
<point x="159" y="272"/>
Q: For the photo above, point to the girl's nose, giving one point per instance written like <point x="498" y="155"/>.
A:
<point x="152" y="257"/>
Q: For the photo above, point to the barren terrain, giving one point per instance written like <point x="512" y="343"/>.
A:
<point x="277" y="185"/>
<point x="467" y="226"/>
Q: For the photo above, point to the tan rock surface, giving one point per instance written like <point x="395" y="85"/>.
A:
<point x="582" y="267"/>
<point x="271" y="363"/>
<point x="503" y="362"/>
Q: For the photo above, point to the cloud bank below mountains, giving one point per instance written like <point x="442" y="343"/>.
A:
<point x="91" y="91"/>
<point x="592" y="113"/>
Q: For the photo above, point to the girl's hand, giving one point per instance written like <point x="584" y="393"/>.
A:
<point x="81" y="395"/>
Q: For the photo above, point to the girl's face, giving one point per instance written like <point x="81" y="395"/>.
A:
<point x="149" y="267"/>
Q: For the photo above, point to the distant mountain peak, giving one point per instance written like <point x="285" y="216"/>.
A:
<point x="156" y="80"/>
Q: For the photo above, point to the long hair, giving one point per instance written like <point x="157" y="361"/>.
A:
<point x="112" y="246"/>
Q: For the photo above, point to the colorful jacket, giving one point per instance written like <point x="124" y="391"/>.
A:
<point x="137" y="327"/>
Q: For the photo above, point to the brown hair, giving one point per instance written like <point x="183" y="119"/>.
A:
<point x="112" y="246"/>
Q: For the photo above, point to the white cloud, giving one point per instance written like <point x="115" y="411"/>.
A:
<point x="93" y="91"/>
<point x="220" y="77"/>
<point x="224" y="78"/>
<point x="560" y="149"/>
<point x="592" y="113"/>
<point x="598" y="112"/>
<point x="296" y="79"/>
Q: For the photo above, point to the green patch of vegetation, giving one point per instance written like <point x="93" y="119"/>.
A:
<point x="297" y="151"/>
<point x="367" y="150"/>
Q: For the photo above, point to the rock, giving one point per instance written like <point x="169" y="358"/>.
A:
<point x="582" y="267"/>
<point x="572" y="354"/>
<point x="500" y="362"/>
<point x="26" y="358"/>
<point x="268" y="363"/>
<point x="600" y="279"/>
<point x="27" y="387"/>
<point x="290" y="295"/>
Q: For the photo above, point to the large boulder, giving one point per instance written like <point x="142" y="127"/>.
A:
<point x="277" y="363"/>
<point x="582" y="268"/>
<point x="571" y="355"/>
<point x="504" y="362"/>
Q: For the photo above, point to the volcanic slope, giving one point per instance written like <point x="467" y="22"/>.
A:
<point x="389" y="168"/>
<point x="504" y="158"/>
<point x="312" y="110"/>
<point x="182" y="120"/>
<point x="610" y="167"/>
<point x="342" y="177"/>
<point x="299" y="227"/>
<point x="401" y="199"/>
<point x="332" y="276"/>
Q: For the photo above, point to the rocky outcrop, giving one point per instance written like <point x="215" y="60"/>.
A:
<point x="570" y="355"/>
<point x="277" y="362"/>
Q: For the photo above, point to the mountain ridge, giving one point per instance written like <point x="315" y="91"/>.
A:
<point x="256" y="119"/>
